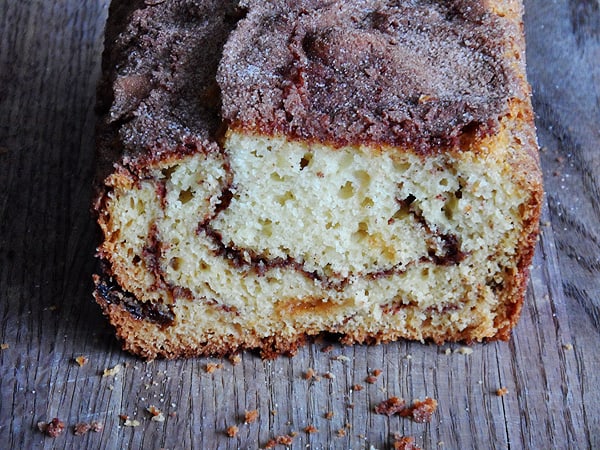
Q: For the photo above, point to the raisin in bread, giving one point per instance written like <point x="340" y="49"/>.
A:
<point x="272" y="171"/>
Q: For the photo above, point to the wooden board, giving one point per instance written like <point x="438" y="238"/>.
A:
<point x="49" y="64"/>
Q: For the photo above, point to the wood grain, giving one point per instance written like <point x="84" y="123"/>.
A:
<point x="49" y="65"/>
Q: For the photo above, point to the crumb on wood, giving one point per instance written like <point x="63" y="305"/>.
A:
<point x="329" y="376"/>
<point x="284" y="439"/>
<point x="419" y="411"/>
<point x="111" y="372"/>
<point x="81" y="428"/>
<point x="235" y="359"/>
<point x="358" y="387"/>
<point x="310" y="374"/>
<point x="328" y="415"/>
<point x="250" y="416"/>
<point x="4" y="346"/>
<point x="213" y="367"/>
<point x="422" y="411"/>
<point x="81" y="360"/>
<point x="310" y="429"/>
<point x="568" y="346"/>
<point x="96" y="426"/>
<point x="232" y="431"/>
<point x="54" y="428"/>
<point x="501" y="392"/>
<point x="341" y="432"/>
<point x="391" y="406"/>
<point x="373" y="376"/>
<point x="340" y="358"/>
<point x="404" y="442"/>
<point x="157" y="415"/>
<point x="464" y="350"/>
<point x="128" y="422"/>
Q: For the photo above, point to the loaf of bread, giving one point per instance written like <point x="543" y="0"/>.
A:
<point x="271" y="171"/>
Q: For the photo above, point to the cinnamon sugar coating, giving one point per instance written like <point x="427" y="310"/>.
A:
<point x="416" y="73"/>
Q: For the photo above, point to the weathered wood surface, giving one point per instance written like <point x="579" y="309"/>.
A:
<point x="49" y="63"/>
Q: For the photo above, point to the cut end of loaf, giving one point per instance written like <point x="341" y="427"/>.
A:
<point x="275" y="240"/>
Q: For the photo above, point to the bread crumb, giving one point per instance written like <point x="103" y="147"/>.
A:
<point x="54" y="428"/>
<point x="213" y="367"/>
<point x="419" y="411"/>
<point x="371" y="379"/>
<point x="329" y="376"/>
<point x="310" y="429"/>
<point x="4" y="346"/>
<point x="358" y="387"/>
<point x="96" y="427"/>
<point x="422" y="411"/>
<point x="341" y="432"/>
<point x="111" y="372"/>
<point x="81" y="428"/>
<point x="501" y="392"/>
<point x="250" y="416"/>
<point x="329" y="415"/>
<point x="81" y="360"/>
<point x="340" y="358"/>
<point x="310" y="374"/>
<point x="157" y="415"/>
<point x="131" y="423"/>
<point x="391" y="406"/>
<point x="404" y="443"/>
<point x="448" y="351"/>
<point x="568" y="346"/>
<point x="235" y="359"/>
<point x="464" y="350"/>
<point x="232" y="431"/>
<point x="284" y="439"/>
<point x="128" y="422"/>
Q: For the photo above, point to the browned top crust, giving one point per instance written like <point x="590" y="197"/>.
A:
<point x="159" y="93"/>
<point x="418" y="73"/>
